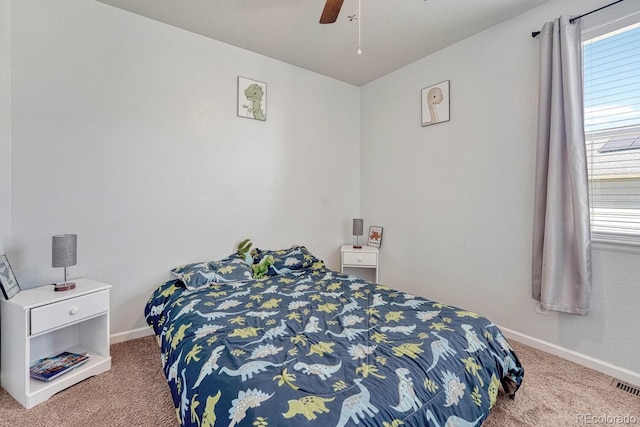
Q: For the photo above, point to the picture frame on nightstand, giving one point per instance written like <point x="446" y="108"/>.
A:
<point x="8" y="282"/>
<point x="375" y="236"/>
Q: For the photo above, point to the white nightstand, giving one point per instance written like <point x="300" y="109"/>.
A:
<point x="365" y="257"/>
<point x="39" y="322"/>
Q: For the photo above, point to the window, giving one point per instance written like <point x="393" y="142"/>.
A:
<point x="612" y="130"/>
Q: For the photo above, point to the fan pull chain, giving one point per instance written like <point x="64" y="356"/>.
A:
<point x="359" y="21"/>
<point x="357" y="18"/>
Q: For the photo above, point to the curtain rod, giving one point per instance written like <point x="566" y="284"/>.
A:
<point x="572" y="20"/>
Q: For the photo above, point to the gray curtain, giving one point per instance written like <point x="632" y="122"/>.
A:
<point x="561" y="264"/>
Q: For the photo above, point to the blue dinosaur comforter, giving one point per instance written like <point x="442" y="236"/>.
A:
<point x="321" y="348"/>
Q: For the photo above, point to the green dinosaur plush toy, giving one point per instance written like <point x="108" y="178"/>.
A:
<point x="243" y="251"/>
<point x="260" y="269"/>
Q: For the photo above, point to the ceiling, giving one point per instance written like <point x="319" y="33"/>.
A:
<point x="394" y="33"/>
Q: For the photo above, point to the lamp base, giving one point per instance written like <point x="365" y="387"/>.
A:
<point x="67" y="286"/>
<point x="357" y="246"/>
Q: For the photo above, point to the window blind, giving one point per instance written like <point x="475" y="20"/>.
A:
<point x="611" y="64"/>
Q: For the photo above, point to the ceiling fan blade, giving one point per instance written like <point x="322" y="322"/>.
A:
<point x="331" y="11"/>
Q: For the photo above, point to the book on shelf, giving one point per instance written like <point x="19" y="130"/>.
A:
<point x="48" y="368"/>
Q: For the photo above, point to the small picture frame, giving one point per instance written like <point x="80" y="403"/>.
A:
<point x="252" y="99"/>
<point x="8" y="282"/>
<point x="435" y="104"/>
<point x="375" y="236"/>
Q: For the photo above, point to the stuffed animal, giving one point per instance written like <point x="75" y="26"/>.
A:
<point x="243" y="251"/>
<point x="260" y="269"/>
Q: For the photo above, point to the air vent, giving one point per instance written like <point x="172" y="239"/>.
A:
<point x="626" y="387"/>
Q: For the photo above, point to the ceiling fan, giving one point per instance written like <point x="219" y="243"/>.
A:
<point x="331" y="11"/>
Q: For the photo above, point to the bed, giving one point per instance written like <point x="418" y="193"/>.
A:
<point x="308" y="346"/>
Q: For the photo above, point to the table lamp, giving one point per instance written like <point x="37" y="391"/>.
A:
<point x="64" y="254"/>
<point x="357" y="231"/>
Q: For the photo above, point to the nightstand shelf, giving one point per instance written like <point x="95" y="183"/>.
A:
<point x="365" y="257"/>
<point x="39" y="322"/>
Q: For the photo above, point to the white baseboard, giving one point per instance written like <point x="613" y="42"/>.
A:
<point x="606" y="368"/>
<point x="131" y="335"/>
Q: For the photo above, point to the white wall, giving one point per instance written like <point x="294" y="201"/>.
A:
<point x="125" y="133"/>
<point x="5" y="122"/>
<point x="466" y="188"/>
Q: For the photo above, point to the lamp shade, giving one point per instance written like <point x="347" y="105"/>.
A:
<point x="358" y="226"/>
<point x="64" y="250"/>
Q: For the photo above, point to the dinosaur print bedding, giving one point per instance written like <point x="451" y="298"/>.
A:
<point x="314" y="347"/>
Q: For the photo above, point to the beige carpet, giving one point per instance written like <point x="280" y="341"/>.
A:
<point x="134" y="393"/>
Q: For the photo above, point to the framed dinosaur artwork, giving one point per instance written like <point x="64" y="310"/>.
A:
<point x="435" y="104"/>
<point x="252" y="99"/>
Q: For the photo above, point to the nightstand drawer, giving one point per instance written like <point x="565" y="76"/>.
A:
<point x="68" y="311"/>
<point x="362" y="258"/>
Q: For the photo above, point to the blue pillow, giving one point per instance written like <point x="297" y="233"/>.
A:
<point x="200" y="275"/>
<point x="292" y="260"/>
